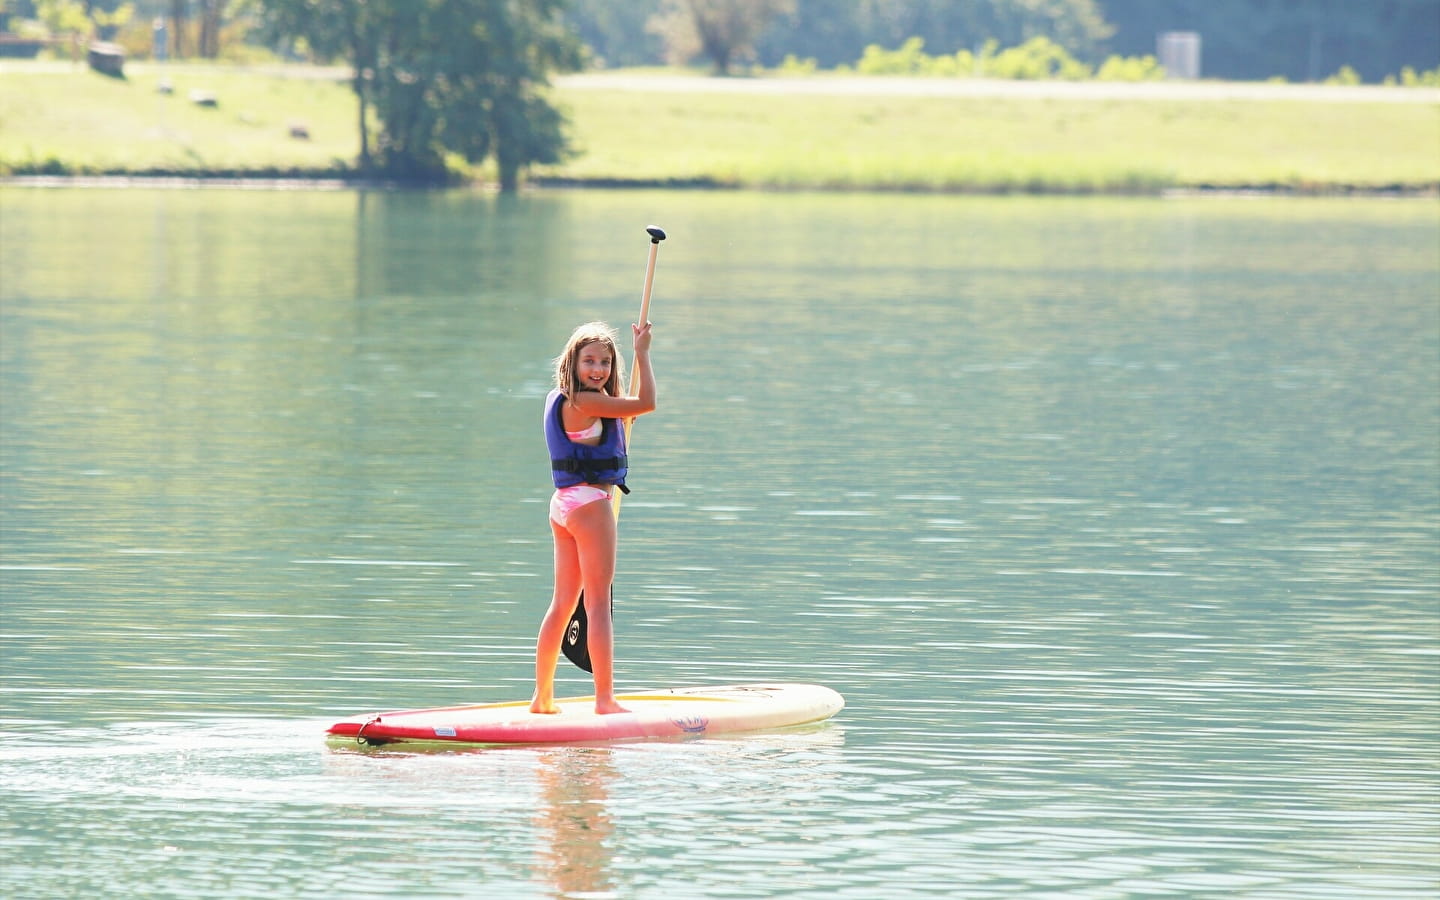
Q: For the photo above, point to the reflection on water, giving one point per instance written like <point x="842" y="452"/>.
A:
<point x="1116" y="522"/>
<point x="576" y="832"/>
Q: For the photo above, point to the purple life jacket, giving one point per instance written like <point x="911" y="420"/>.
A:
<point x="572" y="463"/>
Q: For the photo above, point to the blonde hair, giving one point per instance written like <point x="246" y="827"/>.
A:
<point x="567" y="362"/>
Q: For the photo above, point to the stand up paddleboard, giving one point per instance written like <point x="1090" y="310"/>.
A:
<point x="676" y="713"/>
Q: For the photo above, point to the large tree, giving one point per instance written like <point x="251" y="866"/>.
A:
<point x="719" y="30"/>
<point x="464" y="77"/>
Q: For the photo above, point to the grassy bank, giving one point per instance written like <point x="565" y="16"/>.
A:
<point x="76" y="122"/>
<point x="1001" y="143"/>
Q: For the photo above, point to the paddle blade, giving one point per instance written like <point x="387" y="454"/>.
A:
<point x="575" y="644"/>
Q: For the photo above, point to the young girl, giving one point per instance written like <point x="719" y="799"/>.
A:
<point x="586" y="439"/>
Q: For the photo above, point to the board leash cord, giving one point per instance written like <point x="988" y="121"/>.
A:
<point x="360" y="735"/>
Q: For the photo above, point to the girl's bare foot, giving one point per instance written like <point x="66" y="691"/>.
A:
<point x="545" y="708"/>
<point x="605" y="709"/>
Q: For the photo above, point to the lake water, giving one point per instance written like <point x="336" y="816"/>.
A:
<point x="1116" y="521"/>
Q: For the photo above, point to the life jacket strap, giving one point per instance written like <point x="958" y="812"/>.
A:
<point x="581" y="466"/>
<point x="588" y="467"/>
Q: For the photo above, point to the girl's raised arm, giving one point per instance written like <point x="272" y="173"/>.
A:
<point x="641" y="398"/>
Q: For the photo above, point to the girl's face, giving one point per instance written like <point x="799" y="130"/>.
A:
<point x="593" y="365"/>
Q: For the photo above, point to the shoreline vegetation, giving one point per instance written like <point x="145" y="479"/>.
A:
<point x="296" y="125"/>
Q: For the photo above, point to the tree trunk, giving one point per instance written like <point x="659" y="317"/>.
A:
<point x="360" y="92"/>
<point x="365" y="53"/>
<point x="210" y="29"/>
<point x="509" y="175"/>
<point x="178" y="48"/>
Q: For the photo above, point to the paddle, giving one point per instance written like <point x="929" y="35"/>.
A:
<point x="576" y="644"/>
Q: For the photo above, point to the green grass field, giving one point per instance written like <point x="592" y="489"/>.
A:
<point x="71" y="121"/>
<point x="994" y="143"/>
<point x="78" y="122"/>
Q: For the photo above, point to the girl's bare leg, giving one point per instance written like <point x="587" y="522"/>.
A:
<point x="557" y="617"/>
<point x="593" y="527"/>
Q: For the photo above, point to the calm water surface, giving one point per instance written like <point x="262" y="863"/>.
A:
<point x="1115" y="521"/>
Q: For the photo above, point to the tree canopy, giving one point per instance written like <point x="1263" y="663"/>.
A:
<point x="442" y="77"/>
<point x="1301" y="40"/>
<point x="1244" y="39"/>
<point x="719" y="30"/>
<point x="1298" y="40"/>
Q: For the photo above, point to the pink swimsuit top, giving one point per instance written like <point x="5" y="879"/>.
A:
<point x="593" y="431"/>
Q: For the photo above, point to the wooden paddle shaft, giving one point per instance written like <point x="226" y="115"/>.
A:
<point x="656" y="236"/>
<point x="645" y="297"/>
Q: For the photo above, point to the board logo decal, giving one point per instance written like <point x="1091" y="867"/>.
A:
<point x="444" y="731"/>
<point x="692" y="724"/>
